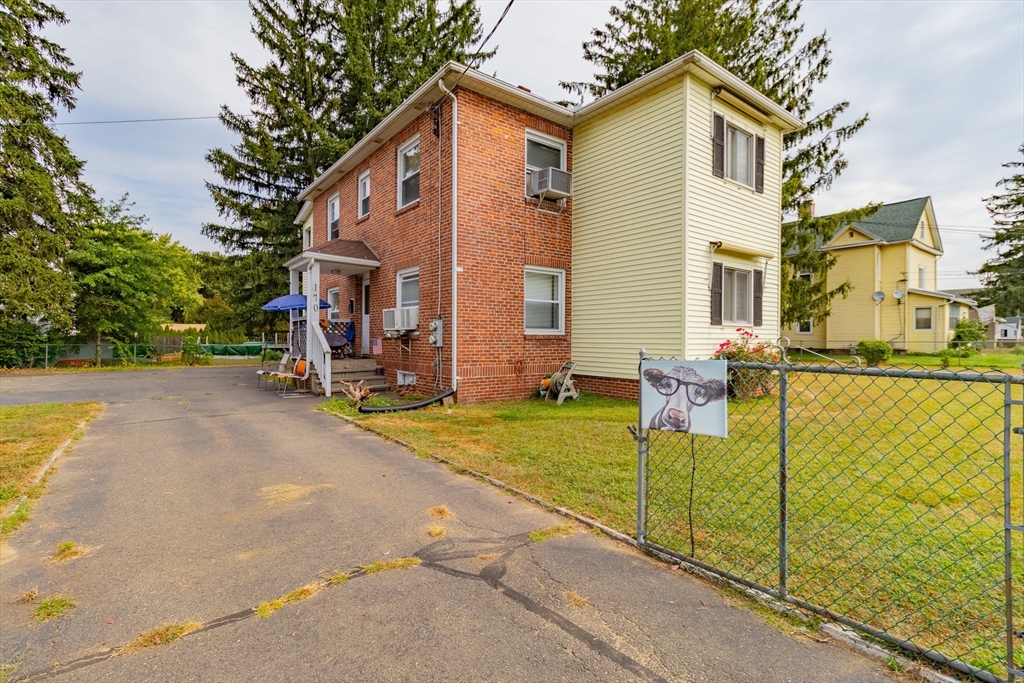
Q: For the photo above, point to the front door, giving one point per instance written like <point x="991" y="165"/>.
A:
<point x="365" y="327"/>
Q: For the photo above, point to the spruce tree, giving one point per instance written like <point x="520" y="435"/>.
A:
<point x="335" y="71"/>
<point x="1003" y="275"/>
<point x="762" y="42"/>
<point x="40" y="184"/>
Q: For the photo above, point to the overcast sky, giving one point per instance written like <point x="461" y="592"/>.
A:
<point x="942" y="81"/>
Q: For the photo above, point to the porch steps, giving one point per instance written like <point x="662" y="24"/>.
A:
<point x="353" y="370"/>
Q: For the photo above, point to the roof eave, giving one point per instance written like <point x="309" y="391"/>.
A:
<point x="712" y="72"/>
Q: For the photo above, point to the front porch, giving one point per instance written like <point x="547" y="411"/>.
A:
<point x="309" y="339"/>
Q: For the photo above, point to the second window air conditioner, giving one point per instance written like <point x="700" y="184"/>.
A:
<point x="550" y="183"/>
<point x="401" y="319"/>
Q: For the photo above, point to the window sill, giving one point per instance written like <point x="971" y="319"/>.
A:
<point x="544" y="333"/>
<point x="737" y="184"/>
<point x="408" y="207"/>
<point x="362" y="218"/>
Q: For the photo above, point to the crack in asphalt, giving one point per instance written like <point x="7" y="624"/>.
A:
<point x="431" y="556"/>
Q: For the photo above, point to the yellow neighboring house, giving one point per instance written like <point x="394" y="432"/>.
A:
<point x="890" y="259"/>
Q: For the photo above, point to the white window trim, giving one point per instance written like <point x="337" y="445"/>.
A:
<point x="307" y="236"/>
<point x="750" y="296"/>
<point x="731" y="122"/>
<point x="810" y="324"/>
<point x="398" y="285"/>
<point x="411" y="142"/>
<point x="931" y="320"/>
<point x="544" y="139"/>
<point x="365" y="175"/>
<point x="334" y="290"/>
<point x="561" y="300"/>
<point x="334" y="199"/>
<point x="921" y="277"/>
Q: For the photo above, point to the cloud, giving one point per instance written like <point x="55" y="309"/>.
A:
<point x="943" y="82"/>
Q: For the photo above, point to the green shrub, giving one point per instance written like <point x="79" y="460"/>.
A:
<point x="874" y="351"/>
<point x="273" y="354"/>
<point x="192" y="353"/>
<point x="967" y="331"/>
<point x="961" y="352"/>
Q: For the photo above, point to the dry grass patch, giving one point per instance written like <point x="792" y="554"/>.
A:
<point x="440" y="512"/>
<point x="25" y="598"/>
<point x="53" y="607"/>
<point x="556" y="531"/>
<point x="436" y="530"/>
<point x="67" y="550"/>
<point x="29" y="436"/>
<point x="163" y="635"/>
<point x="265" y="609"/>
<point x="285" y="493"/>
<point x="338" y="577"/>
<point x="576" y="600"/>
<point x="389" y="565"/>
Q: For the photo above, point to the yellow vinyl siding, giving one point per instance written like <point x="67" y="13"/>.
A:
<point x="627" y="288"/>
<point x="922" y="258"/>
<point x="926" y="341"/>
<point x="853" y="318"/>
<point x="814" y="340"/>
<point x="845" y="238"/>
<point x="721" y="210"/>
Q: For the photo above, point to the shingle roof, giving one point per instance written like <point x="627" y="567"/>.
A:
<point x="354" y="249"/>
<point x="893" y="222"/>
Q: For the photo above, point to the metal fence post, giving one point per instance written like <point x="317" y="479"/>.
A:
<point x="783" y="481"/>
<point x="1008" y="530"/>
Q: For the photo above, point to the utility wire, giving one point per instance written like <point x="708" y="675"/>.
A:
<point x="92" y="123"/>
<point x="481" y="48"/>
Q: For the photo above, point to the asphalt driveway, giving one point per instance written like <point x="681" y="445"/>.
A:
<point x="199" y="498"/>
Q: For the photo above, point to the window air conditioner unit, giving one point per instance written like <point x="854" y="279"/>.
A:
<point x="550" y="183"/>
<point x="401" y="319"/>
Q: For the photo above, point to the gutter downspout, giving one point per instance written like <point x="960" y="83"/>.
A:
<point x="455" y="233"/>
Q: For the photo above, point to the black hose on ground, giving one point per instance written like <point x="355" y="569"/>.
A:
<point x="408" y="406"/>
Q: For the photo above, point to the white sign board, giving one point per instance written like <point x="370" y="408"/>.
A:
<point x="684" y="396"/>
<point x="987" y="314"/>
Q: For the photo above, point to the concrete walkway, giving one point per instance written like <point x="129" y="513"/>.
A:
<point x="200" y="498"/>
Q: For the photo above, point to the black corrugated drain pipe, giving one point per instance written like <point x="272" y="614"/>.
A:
<point x="408" y="406"/>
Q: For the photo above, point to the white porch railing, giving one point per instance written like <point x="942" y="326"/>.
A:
<point x="320" y="354"/>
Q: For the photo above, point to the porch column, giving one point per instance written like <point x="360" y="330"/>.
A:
<point x="293" y="281"/>
<point x="312" y="306"/>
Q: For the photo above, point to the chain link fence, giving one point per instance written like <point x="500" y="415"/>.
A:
<point x="881" y="499"/>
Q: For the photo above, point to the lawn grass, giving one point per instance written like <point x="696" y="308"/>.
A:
<point x="1009" y="362"/>
<point x="28" y="436"/>
<point x="895" y="492"/>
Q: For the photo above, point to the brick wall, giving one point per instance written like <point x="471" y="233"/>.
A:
<point x="611" y="387"/>
<point x="500" y="232"/>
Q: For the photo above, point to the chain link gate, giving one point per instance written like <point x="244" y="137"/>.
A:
<point x="884" y="499"/>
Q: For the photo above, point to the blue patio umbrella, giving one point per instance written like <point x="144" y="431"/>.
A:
<point x="290" y="302"/>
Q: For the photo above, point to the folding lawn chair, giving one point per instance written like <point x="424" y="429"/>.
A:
<point x="299" y="378"/>
<point x="267" y="374"/>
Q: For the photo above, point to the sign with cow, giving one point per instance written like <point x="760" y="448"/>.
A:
<point x="684" y="396"/>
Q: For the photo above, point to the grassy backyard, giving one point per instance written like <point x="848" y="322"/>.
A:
<point x="895" y="491"/>
<point x="28" y="436"/>
<point x="1009" y="362"/>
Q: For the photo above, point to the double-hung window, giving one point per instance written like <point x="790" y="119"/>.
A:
<point x="408" y="288"/>
<point x="307" y="237"/>
<point x="737" y="295"/>
<point x="364" y="193"/>
<point x="333" y="218"/>
<point x="409" y="172"/>
<point x="920" y="277"/>
<point x="922" y="318"/>
<point x="544" y="299"/>
<point x="954" y="316"/>
<point x="737" y="154"/>
<point x="543" y="151"/>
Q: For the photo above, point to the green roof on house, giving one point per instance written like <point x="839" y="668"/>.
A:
<point x="895" y="222"/>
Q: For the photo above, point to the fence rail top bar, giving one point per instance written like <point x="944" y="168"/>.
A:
<point x="994" y="377"/>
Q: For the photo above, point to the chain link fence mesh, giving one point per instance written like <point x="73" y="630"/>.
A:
<point x="873" y="497"/>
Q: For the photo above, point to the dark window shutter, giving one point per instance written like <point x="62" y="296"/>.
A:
<point x="759" y="165"/>
<point x="718" y="160"/>
<point x="758" y="298"/>
<point x="716" y="294"/>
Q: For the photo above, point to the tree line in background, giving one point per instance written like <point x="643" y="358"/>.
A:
<point x="71" y="262"/>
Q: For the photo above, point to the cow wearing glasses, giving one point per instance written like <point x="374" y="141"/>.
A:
<point x="684" y="389"/>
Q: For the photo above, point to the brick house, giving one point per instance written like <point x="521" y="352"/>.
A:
<point x="480" y="280"/>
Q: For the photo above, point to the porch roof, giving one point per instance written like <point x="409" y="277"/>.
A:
<point x="338" y="257"/>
